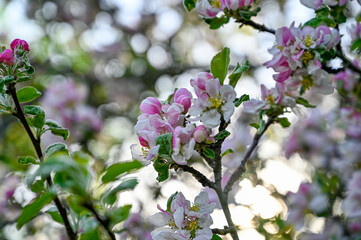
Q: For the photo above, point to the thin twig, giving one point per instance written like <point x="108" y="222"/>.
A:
<point x="224" y="231"/>
<point x="242" y="168"/>
<point x="36" y="143"/>
<point x="197" y="175"/>
<point x="259" y="27"/>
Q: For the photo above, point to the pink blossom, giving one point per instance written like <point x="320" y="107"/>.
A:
<point x="183" y="144"/>
<point x="184" y="97"/>
<point x="151" y="105"/>
<point x="235" y="4"/>
<point x="315" y="4"/>
<point x="206" y="9"/>
<point x="7" y="57"/>
<point x="18" y="43"/>
<point x="201" y="133"/>
<point x="199" y="83"/>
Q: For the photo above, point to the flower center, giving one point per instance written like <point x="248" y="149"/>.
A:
<point x="195" y="208"/>
<point x="216" y="102"/>
<point x="307" y="82"/>
<point x="270" y="98"/>
<point x="306" y="57"/>
<point x="308" y="40"/>
<point x="192" y="227"/>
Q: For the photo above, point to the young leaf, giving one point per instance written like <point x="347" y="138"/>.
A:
<point x="111" y="196"/>
<point x="221" y="135"/>
<point x="165" y="142"/>
<point x="215" y="23"/>
<point x="219" y="65"/>
<point x="28" y="94"/>
<point x="255" y="125"/>
<point x="283" y="122"/>
<point x="8" y="79"/>
<point x="209" y="153"/>
<point x="216" y="237"/>
<point x="33" y="110"/>
<point x="27" y="160"/>
<point x="238" y="101"/>
<point x="237" y="73"/>
<point x="262" y="125"/>
<point x="228" y="151"/>
<point x="119" y="215"/>
<point x="170" y="200"/>
<point x="63" y="132"/>
<point x="54" y="148"/>
<point x="52" y="123"/>
<point x="119" y="168"/>
<point x="162" y="168"/>
<point x="190" y="4"/>
<point x="38" y="186"/>
<point x="304" y="102"/>
<point x="54" y="214"/>
<point x="33" y="208"/>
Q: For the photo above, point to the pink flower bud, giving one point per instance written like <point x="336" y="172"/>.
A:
<point x="143" y="142"/>
<point x="200" y="133"/>
<point x="151" y="106"/>
<point x="7" y="57"/>
<point x="18" y="43"/>
<point x="183" y="97"/>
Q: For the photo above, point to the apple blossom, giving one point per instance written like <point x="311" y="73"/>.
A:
<point x="18" y="43"/>
<point x="7" y="57"/>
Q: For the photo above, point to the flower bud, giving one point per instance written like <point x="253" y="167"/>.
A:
<point x="200" y="134"/>
<point x="183" y="97"/>
<point x="18" y="43"/>
<point x="151" y="106"/>
<point x="7" y="57"/>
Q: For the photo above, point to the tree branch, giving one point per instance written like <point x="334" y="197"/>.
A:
<point x="36" y="143"/>
<point x="259" y="27"/>
<point x="197" y="175"/>
<point x="242" y="168"/>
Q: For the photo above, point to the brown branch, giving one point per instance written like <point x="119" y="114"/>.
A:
<point x="242" y="168"/>
<point x="259" y="27"/>
<point x="224" y="231"/>
<point x="197" y="175"/>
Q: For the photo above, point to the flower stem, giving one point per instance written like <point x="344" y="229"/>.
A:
<point x="36" y="143"/>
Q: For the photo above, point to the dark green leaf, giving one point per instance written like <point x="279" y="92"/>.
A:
<point x="209" y="153"/>
<point x="238" y="101"/>
<point x="54" y="148"/>
<point x="356" y="45"/>
<point x="237" y="73"/>
<point x="262" y="125"/>
<point x="63" y="132"/>
<point x="52" y="123"/>
<point x="215" y="23"/>
<point x="23" y="79"/>
<point x="228" y="151"/>
<point x="33" y="208"/>
<point x="38" y="121"/>
<point x="219" y="65"/>
<point x="28" y="94"/>
<point x="119" y="215"/>
<point x="38" y="186"/>
<point x="27" y="160"/>
<point x="170" y="200"/>
<point x="190" y="4"/>
<point x="117" y="169"/>
<point x="304" y="102"/>
<point x="8" y="79"/>
<point x="162" y="168"/>
<point x="165" y="142"/>
<point x="54" y="214"/>
<point x="221" y="135"/>
<point x="216" y="237"/>
<point x="30" y="69"/>
<point x="33" y="110"/>
<point x="284" y="122"/>
<point x="110" y="196"/>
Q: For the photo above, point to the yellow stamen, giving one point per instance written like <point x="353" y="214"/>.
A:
<point x="308" y="40"/>
<point x="307" y="82"/>
<point x="216" y="3"/>
<point x="306" y="57"/>
<point x="216" y="102"/>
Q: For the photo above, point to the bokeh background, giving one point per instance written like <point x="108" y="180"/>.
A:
<point x="96" y="60"/>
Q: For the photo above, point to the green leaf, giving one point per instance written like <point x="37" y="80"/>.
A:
<point x="262" y="126"/>
<point x="110" y="196"/>
<point x="219" y="65"/>
<point x="30" y="69"/>
<point x="8" y="79"/>
<point x="162" y="168"/>
<point x="356" y="45"/>
<point x="209" y="153"/>
<point x="216" y="237"/>
<point x="32" y="209"/>
<point x="38" y="186"/>
<point x="27" y="160"/>
<point x="165" y="142"/>
<point x="170" y="200"/>
<point x="255" y="125"/>
<point x="190" y="4"/>
<point x="23" y="79"/>
<point x="118" y="215"/>
<point x="221" y="135"/>
<point x="54" y="214"/>
<point x="238" y="101"/>
<point x="63" y="132"/>
<point x="237" y="73"/>
<point x="216" y="22"/>
<point x="54" y="148"/>
<point x="52" y="123"/>
<point x="117" y="169"/>
<point x="28" y="94"/>
<point x="33" y="110"/>
<point x="283" y="122"/>
<point x="304" y="102"/>
<point x="228" y="151"/>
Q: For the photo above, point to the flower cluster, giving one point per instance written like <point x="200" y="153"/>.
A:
<point x="297" y="58"/>
<point x="8" y="210"/>
<point x="177" y="119"/>
<point x="183" y="220"/>
<point x="17" y="46"/>
<point x="209" y="9"/>
<point x="64" y="101"/>
<point x="317" y="4"/>
<point x="136" y="227"/>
